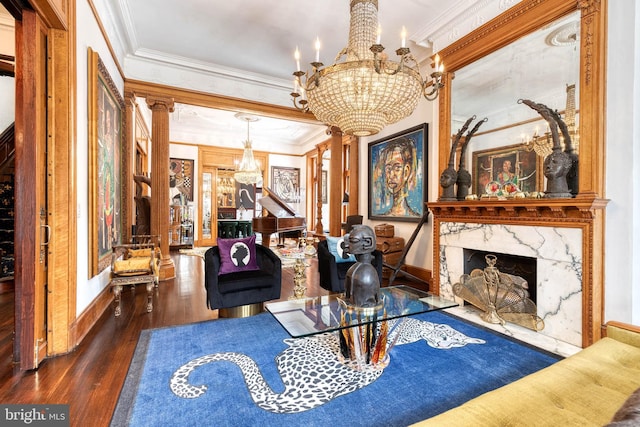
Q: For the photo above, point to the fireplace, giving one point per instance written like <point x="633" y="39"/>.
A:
<point x="515" y="265"/>
<point x="563" y="235"/>
<point x="558" y="262"/>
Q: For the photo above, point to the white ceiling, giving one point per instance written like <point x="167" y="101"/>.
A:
<point x="257" y="38"/>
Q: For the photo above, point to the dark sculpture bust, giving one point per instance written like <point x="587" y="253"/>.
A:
<point x="362" y="284"/>
<point x="557" y="164"/>
<point x="448" y="180"/>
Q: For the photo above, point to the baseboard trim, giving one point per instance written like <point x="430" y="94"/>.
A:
<point x="88" y="318"/>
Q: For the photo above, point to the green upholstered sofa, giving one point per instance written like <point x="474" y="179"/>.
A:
<point x="586" y="389"/>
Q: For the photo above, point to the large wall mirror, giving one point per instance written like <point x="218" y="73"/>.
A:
<point x="542" y="50"/>
<point x="507" y="152"/>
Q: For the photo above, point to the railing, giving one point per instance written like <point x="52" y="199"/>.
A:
<point x="7" y="148"/>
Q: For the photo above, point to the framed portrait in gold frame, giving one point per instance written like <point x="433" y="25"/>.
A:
<point x="105" y="111"/>
<point x="506" y="170"/>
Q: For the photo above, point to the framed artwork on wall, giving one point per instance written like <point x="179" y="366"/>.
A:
<point x="105" y="112"/>
<point x="285" y="181"/>
<point x="398" y="175"/>
<point x="245" y="196"/>
<point x="507" y="170"/>
<point x="180" y="181"/>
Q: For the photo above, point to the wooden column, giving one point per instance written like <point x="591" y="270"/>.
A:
<point x="321" y="148"/>
<point x="161" y="107"/>
<point x="354" y="174"/>
<point x="335" y="183"/>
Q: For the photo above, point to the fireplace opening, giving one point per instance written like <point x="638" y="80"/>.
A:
<point x="516" y="265"/>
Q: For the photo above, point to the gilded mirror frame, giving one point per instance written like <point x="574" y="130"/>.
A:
<point x="518" y="21"/>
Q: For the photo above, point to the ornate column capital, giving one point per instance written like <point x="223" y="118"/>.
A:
<point x="160" y="103"/>
<point x="129" y="96"/>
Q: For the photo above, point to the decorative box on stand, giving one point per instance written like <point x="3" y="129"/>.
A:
<point x="384" y="230"/>
<point x="389" y="244"/>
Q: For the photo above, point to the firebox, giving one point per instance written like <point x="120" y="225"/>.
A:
<point x="516" y="265"/>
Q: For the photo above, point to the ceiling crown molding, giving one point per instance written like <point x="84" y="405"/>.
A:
<point x="459" y="20"/>
<point x="178" y="62"/>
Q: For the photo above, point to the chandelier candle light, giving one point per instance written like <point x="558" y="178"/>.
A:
<point x="366" y="91"/>
<point x="248" y="172"/>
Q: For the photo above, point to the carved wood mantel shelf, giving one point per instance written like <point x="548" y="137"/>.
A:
<point x="528" y="211"/>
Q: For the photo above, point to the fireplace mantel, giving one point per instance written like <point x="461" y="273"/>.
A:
<point x="530" y="211"/>
<point x="583" y="212"/>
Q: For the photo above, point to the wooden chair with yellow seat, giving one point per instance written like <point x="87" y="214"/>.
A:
<point x="134" y="263"/>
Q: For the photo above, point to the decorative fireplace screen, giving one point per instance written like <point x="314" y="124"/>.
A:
<point x="502" y="297"/>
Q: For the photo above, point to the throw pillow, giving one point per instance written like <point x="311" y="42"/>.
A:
<point x="336" y="247"/>
<point x="238" y="255"/>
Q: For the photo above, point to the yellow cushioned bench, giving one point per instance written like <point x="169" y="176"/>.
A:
<point x="585" y="389"/>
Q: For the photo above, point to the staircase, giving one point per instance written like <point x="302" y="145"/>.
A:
<point x="7" y="203"/>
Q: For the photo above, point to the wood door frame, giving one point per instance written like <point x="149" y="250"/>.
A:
<point x="61" y="192"/>
<point x="28" y="69"/>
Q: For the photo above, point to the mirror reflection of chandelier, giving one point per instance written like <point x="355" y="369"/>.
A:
<point x="248" y="171"/>
<point x="543" y="144"/>
<point x="367" y="91"/>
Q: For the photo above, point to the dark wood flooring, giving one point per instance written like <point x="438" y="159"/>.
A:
<point x="90" y="378"/>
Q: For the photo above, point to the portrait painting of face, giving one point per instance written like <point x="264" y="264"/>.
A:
<point x="397" y="178"/>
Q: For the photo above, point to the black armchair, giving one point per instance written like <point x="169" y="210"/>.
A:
<point x="332" y="273"/>
<point x="244" y="287"/>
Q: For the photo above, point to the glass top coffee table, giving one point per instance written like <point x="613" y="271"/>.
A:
<point x="310" y="316"/>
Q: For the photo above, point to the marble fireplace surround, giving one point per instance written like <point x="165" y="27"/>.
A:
<point x="561" y="234"/>
<point x="558" y="254"/>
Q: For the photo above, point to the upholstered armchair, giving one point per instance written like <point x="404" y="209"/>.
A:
<point x="241" y="288"/>
<point x="332" y="271"/>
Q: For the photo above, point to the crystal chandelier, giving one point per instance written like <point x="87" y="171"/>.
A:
<point x="570" y="117"/>
<point x="367" y="91"/>
<point x="248" y="171"/>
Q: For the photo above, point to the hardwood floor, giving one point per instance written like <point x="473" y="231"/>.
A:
<point x="90" y="378"/>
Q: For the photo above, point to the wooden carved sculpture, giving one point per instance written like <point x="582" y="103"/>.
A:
<point x="464" y="177"/>
<point x="449" y="176"/>
<point x="143" y="203"/>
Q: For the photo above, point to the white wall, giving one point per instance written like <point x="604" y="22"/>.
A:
<point x="622" y="283"/>
<point x="88" y="35"/>
<point x="7" y="84"/>
<point x="7" y="101"/>
<point x="421" y="253"/>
